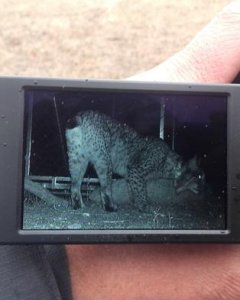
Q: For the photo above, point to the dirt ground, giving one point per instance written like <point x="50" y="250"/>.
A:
<point x="96" y="38"/>
<point x="185" y="211"/>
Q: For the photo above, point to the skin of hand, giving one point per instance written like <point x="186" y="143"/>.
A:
<point x="170" y="271"/>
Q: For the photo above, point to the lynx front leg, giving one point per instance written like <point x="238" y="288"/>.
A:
<point x="138" y="188"/>
<point x="103" y="169"/>
<point x="77" y="171"/>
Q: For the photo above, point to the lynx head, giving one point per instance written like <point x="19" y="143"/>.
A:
<point x="189" y="176"/>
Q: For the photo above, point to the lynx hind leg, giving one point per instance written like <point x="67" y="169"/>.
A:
<point x="103" y="169"/>
<point x="138" y="189"/>
<point x="77" y="171"/>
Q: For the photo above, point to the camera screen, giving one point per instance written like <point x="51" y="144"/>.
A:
<point x="124" y="160"/>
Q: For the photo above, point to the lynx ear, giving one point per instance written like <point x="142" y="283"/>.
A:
<point x="71" y="123"/>
<point x="179" y="169"/>
<point x="193" y="163"/>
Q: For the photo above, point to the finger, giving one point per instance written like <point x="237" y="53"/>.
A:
<point x="212" y="56"/>
<point x="182" y="272"/>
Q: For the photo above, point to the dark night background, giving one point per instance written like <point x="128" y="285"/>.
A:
<point x="199" y="121"/>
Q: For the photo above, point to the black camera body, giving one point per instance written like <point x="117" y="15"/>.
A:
<point x="118" y="162"/>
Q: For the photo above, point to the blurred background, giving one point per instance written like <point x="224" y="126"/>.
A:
<point x="96" y="38"/>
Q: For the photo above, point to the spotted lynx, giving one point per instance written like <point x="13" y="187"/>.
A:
<point x="112" y="147"/>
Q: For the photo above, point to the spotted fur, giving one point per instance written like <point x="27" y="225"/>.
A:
<point x="112" y="147"/>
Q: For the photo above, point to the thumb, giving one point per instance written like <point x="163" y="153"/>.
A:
<point x="212" y="56"/>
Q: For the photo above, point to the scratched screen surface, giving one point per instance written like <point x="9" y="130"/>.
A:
<point x="124" y="160"/>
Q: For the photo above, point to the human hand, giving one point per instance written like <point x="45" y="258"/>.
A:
<point x="171" y="272"/>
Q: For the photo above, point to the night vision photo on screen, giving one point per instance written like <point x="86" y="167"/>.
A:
<point x="124" y="160"/>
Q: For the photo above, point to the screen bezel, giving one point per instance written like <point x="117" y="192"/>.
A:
<point x="12" y="102"/>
